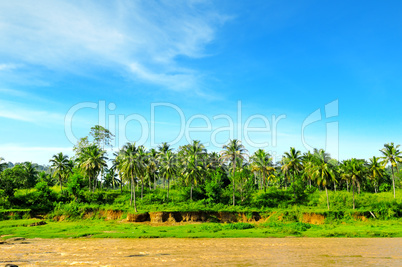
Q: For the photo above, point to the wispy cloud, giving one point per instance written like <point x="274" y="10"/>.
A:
<point x="144" y="38"/>
<point x="15" y="111"/>
<point x="4" y="67"/>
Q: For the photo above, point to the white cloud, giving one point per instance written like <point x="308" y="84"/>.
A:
<point x="15" y="111"/>
<point x="144" y="37"/>
<point x="5" y="67"/>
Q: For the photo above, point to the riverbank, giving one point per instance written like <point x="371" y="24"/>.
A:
<point x="96" y="228"/>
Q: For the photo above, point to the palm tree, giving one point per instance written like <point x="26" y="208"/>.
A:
<point x="392" y="155"/>
<point x="244" y="172"/>
<point x="192" y="162"/>
<point x="142" y="166"/>
<point x="322" y="171"/>
<point x="292" y="165"/>
<point x="168" y="167"/>
<point x="59" y="165"/>
<point x="354" y="173"/>
<point x="376" y="171"/>
<point x="152" y="166"/>
<point x="32" y="173"/>
<point x="308" y="160"/>
<point x="163" y="149"/>
<point x="130" y="168"/>
<point x="233" y="150"/>
<point x="262" y="163"/>
<point x="92" y="160"/>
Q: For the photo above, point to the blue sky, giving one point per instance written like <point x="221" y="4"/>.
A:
<point x="275" y="59"/>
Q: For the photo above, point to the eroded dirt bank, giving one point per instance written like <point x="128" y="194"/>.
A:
<point x="202" y="216"/>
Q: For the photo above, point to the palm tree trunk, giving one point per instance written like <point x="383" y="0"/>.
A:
<point x="353" y="189"/>
<point x="285" y="180"/>
<point x="334" y="187"/>
<point x="142" y="187"/>
<point x="135" y="204"/>
<point x="309" y="182"/>
<point x="393" y="178"/>
<point x="234" y="188"/>
<point x="132" y="189"/>
<point x="265" y="189"/>
<point x="326" y="191"/>
<point x="294" y="186"/>
<point x="347" y="186"/>
<point x="89" y="183"/>
<point x="191" y="192"/>
<point x="61" y="185"/>
<point x="168" y="189"/>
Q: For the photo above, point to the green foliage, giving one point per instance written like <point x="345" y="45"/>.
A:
<point x="213" y="188"/>
<point x="385" y="188"/>
<point x="75" y="187"/>
<point x="273" y="198"/>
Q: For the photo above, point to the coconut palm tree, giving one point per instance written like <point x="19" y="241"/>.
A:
<point x="376" y="172"/>
<point x="322" y="171"/>
<point x="142" y="166"/>
<point x="193" y="167"/>
<point x="308" y="160"/>
<point x="354" y="173"/>
<point x="152" y="166"/>
<point x="262" y="163"/>
<point x="168" y="167"/>
<point x="162" y="149"/>
<point x="92" y="160"/>
<point x="233" y="150"/>
<point x="32" y="174"/>
<point x="129" y="168"/>
<point x="391" y="155"/>
<point x="292" y="165"/>
<point x="59" y="165"/>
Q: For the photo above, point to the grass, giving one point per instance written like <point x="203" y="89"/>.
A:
<point x="115" y="229"/>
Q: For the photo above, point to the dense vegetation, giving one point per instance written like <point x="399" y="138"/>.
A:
<point x="193" y="179"/>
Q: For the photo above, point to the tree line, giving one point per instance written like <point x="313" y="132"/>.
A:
<point x="191" y="166"/>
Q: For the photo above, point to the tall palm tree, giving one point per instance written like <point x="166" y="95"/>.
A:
<point x="142" y="166"/>
<point x="322" y="171"/>
<point x="168" y="167"/>
<point x="262" y="163"/>
<point x="354" y="173"/>
<point x="376" y="172"/>
<point x="233" y="150"/>
<point x="92" y="160"/>
<point x="163" y="149"/>
<point x="129" y="168"/>
<point x="193" y="168"/>
<point x="59" y="165"/>
<point x="32" y="174"/>
<point x="391" y="155"/>
<point x="308" y="160"/>
<point x="152" y="166"/>
<point x="244" y="172"/>
<point x="292" y="165"/>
